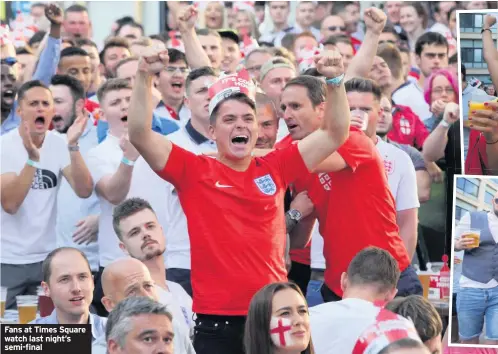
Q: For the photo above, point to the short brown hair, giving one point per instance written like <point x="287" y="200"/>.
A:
<point x="423" y="314"/>
<point x="113" y="42"/>
<point x="112" y="85"/>
<point x="143" y="41"/>
<point x="374" y="266"/>
<point x="391" y="55"/>
<point x="47" y="263"/>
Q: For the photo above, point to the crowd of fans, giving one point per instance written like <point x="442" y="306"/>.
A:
<point x="164" y="188"/>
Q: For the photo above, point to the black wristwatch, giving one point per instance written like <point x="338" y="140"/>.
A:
<point x="486" y="29"/>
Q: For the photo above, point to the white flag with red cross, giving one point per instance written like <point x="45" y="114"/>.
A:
<point x="280" y="332"/>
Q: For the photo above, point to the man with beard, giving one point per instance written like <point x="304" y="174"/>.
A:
<point x="45" y="69"/>
<point x="163" y="197"/>
<point x="111" y="164"/>
<point x="128" y="278"/>
<point x="34" y="160"/>
<point x="142" y="237"/>
<point x="478" y="295"/>
<point x="77" y="219"/>
<point x="234" y="189"/>
<point x="77" y="23"/>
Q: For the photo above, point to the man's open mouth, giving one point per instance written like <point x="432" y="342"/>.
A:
<point x="291" y="126"/>
<point x="77" y="298"/>
<point x="240" y="139"/>
<point x="57" y="119"/>
<point x="40" y="121"/>
<point x="8" y="94"/>
<point x="124" y="119"/>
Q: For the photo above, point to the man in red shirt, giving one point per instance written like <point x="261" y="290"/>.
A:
<point x="234" y="203"/>
<point x="353" y="203"/>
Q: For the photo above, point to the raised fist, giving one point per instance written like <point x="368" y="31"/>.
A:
<point x="54" y="14"/>
<point x="489" y="21"/>
<point x="329" y="64"/>
<point x="154" y="59"/>
<point x="187" y="18"/>
<point x="375" y="20"/>
<point x="451" y="113"/>
<point x="129" y="151"/>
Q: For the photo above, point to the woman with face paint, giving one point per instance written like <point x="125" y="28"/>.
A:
<point x="278" y="321"/>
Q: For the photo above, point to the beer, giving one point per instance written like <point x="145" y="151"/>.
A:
<point x="475" y="235"/>
<point x="27" y="313"/>
<point x="478" y="103"/>
<point x="27" y="305"/>
<point x="425" y="280"/>
<point x="3" y="300"/>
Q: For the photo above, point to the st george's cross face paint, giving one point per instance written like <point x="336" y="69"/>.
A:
<point x="280" y="332"/>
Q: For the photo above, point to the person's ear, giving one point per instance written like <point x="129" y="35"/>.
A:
<point x="123" y="248"/>
<point x="45" y="288"/>
<point x="391" y="295"/>
<point x="108" y="303"/>
<point x="212" y="133"/>
<point x="344" y="281"/>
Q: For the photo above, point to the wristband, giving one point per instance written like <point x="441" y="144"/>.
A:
<point x="73" y="147"/>
<point x="127" y="162"/>
<point x="336" y="81"/>
<point x="445" y="123"/>
<point x="486" y="29"/>
<point x="32" y="163"/>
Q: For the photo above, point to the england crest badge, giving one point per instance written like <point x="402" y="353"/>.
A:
<point x="266" y="185"/>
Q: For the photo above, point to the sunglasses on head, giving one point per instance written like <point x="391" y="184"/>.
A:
<point x="9" y="61"/>
<point x="335" y="28"/>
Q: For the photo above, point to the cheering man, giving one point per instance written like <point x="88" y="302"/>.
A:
<point x="233" y="189"/>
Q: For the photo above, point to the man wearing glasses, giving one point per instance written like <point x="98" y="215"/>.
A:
<point x="333" y="25"/>
<point x="46" y="68"/>
<point x="171" y="84"/>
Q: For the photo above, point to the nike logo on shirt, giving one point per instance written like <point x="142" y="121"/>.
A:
<point x="217" y="184"/>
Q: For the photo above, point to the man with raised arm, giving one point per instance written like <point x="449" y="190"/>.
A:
<point x="233" y="203"/>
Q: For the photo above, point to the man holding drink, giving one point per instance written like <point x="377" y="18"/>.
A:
<point x="477" y="299"/>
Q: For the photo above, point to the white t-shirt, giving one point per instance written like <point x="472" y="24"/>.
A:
<point x="28" y="236"/>
<point x="402" y="180"/>
<point x="71" y="208"/>
<point x="400" y="174"/>
<point x="411" y="94"/>
<point x="337" y="326"/>
<point x="180" y="305"/>
<point x="164" y="200"/>
<point x="180" y="302"/>
<point x="104" y="160"/>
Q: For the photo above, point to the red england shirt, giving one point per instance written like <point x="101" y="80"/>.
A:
<point x="303" y="255"/>
<point x="355" y="208"/>
<point x="236" y="224"/>
<point x="407" y="128"/>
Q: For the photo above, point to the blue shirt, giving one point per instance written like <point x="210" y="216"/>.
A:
<point x="98" y="323"/>
<point x="46" y="68"/>
<point x="159" y="125"/>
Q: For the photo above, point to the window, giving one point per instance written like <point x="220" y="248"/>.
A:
<point x="477" y="55"/>
<point x="478" y="20"/>
<point x="469" y="186"/>
<point x="461" y="208"/>
<point x="488" y="198"/>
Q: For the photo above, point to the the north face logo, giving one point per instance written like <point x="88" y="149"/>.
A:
<point x="44" y="179"/>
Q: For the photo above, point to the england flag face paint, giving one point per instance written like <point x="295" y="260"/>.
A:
<point x="280" y="332"/>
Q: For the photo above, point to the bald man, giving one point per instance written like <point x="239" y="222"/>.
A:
<point x="129" y="277"/>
